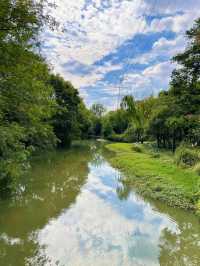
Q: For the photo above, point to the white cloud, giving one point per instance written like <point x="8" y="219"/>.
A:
<point x="93" y="30"/>
<point x="162" y="48"/>
<point x="173" y="6"/>
<point x="91" y="34"/>
<point x="96" y="73"/>
<point x="176" y="23"/>
<point x="151" y="80"/>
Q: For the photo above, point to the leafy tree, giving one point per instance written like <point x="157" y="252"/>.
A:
<point x="65" y="121"/>
<point x="135" y="115"/>
<point x="185" y="85"/>
<point x="26" y="99"/>
<point x="107" y="129"/>
<point x="118" y="120"/>
<point x="85" y="120"/>
<point x="98" y="109"/>
<point x="176" y="116"/>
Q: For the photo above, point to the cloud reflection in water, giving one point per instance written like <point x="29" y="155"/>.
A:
<point x="100" y="229"/>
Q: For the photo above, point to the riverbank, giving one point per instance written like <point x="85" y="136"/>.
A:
<point x="155" y="175"/>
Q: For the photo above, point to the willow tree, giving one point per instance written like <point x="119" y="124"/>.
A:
<point x="135" y="115"/>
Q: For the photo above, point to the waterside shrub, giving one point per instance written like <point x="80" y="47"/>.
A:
<point x="187" y="157"/>
<point x="197" y="168"/>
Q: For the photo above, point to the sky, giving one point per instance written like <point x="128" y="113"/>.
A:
<point x="110" y="48"/>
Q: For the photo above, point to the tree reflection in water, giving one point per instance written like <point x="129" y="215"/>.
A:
<point x="176" y="248"/>
<point x="52" y="185"/>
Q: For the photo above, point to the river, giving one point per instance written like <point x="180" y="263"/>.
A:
<point x="72" y="210"/>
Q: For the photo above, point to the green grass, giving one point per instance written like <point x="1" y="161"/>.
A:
<point x="156" y="175"/>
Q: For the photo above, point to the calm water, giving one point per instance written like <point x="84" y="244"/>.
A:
<point x="72" y="210"/>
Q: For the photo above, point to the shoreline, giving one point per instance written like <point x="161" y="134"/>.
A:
<point x="157" y="176"/>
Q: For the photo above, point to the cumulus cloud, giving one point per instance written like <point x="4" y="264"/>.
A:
<point x="92" y="30"/>
<point x="89" y="76"/>
<point x="151" y="80"/>
<point x="161" y="48"/>
<point x="177" y="23"/>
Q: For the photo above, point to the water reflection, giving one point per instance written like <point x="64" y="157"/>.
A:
<point x="49" y="189"/>
<point x="78" y="213"/>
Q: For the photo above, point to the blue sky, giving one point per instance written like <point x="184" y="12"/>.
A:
<point x="104" y="45"/>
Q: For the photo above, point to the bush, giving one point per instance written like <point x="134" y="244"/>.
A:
<point x="197" y="168"/>
<point x="116" y="138"/>
<point x="156" y="155"/>
<point x="186" y="156"/>
<point x="198" y="208"/>
<point x="136" y="148"/>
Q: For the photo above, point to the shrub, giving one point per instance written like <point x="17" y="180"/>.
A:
<point x="186" y="156"/>
<point x="197" y="168"/>
<point x="198" y="208"/>
<point x="130" y="134"/>
<point x="156" y="155"/>
<point x="116" y="137"/>
<point x="136" y="148"/>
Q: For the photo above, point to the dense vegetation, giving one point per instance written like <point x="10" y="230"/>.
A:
<point x="38" y="110"/>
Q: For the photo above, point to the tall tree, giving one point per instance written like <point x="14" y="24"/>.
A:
<point x="98" y="109"/>
<point x="65" y="121"/>
<point x="26" y="99"/>
<point x="135" y="115"/>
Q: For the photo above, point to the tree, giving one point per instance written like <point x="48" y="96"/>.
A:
<point x="98" y="109"/>
<point x="135" y="115"/>
<point x="26" y="99"/>
<point x="176" y="116"/>
<point x="119" y="120"/>
<point x="85" y="120"/>
<point x="65" y="121"/>
<point x="107" y="129"/>
<point x="185" y="85"/>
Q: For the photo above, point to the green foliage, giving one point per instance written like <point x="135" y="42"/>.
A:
<point x="136" y="148"/>
<point x="36" y="108"/>
<point x="197" y="168"/>
<point x="198" y="208"/>
<point x="85" y="120"/>
<point x="186" y="156"/>
<point x="98" y="109"/>
<point x="65" y="121"/>
<point x="194" y="132"/>
<point x="156" y="155"/>
<point x="158" y="178"/>
<point x="118" y="120"/>
<point x="26" y="99"/>
<point x="136" y="118"/>
<point x="98" y="121"/>
<point x="134" y="133"/>
<point x="116" y="137"/>
<point x="13" y="155"/>
<point x="130" y="133"/>
<point x="107" y="129"/>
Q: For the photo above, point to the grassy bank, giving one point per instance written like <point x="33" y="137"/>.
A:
<point x="156" y="175"/>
